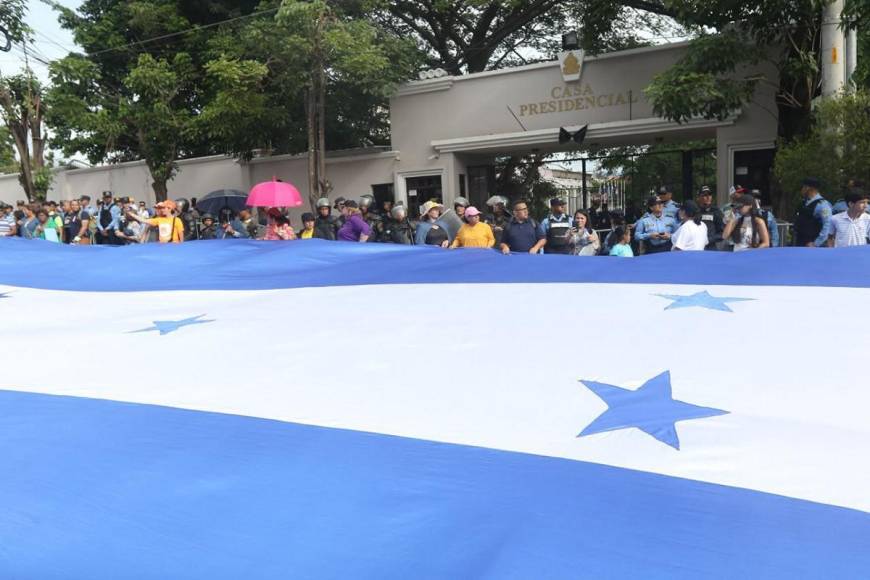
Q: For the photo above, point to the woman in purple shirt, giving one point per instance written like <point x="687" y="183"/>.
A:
<point x="355" y="229"/>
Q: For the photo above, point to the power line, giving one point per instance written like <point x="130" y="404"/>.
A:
<point x="189" y="30"/>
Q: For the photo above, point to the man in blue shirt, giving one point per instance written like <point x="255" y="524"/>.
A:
<point x="812" y="225"/>
<point x="521" y="234"/>
<point x="669" y="206"/>
<point x="655" y="228"/>
<point x="108" y="219"/>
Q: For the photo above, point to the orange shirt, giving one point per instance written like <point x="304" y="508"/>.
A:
<point x="169" y="229"/>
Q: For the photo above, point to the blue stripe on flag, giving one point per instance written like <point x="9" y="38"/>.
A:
<point x="97" y="489"/>
<point x="252" y="265"/>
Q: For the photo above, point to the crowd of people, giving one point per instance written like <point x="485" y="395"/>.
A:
<point x="695" y="225"/>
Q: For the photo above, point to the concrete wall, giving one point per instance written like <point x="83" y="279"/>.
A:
<point x="352" y="174"/>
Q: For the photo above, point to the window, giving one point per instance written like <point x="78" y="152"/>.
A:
<point x="382" y="192"/>
<point x="481" y="179"/>
<point x="422" y="189"/>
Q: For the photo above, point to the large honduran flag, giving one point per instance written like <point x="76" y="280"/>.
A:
<point x="327" y="410"/>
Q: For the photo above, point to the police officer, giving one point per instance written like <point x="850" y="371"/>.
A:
<point x="397" y="228"/>
<point x="366" y="206"/>
<point x="557" y="228"/>
<point x="459" y="205"/>
<point x="499" y="218"/>
<point x="326" y="225"/>
<point x="339" y="207"/>
<point x="768" y="217"/>
<point x="712" y="217"/>
<point x="655" y="229"/>
<point x="189" y="218"/>
<point x="669" y="207"/>
<point x="812" y="224"/>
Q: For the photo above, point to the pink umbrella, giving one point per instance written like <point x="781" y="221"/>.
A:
<point x="274" y="194"/>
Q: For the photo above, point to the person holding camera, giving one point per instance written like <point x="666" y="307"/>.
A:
<point x="655" y="229"/>
<point x="747" y="230"/>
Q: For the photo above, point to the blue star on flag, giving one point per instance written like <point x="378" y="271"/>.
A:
<point x="167" y="326"/>
<point x="701" y="300"/>
<point x="651" y="408"/>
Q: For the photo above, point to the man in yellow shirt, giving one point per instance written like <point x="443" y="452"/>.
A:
<point x="473" y="233"/>
<point x="169" y="227"/>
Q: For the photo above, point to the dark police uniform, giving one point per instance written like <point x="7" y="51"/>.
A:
<point x="559" y="233"/>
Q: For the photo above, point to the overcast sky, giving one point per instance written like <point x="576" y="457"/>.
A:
<point x="50" y="41"/>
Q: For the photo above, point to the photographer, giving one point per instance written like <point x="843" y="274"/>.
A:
<point x="747" y="230"/>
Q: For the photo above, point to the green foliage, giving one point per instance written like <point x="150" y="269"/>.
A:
<point x="8" y="164"/>
<point x="12" y="14"/>
<point x="697" y="86"/>
<point x="709" y="81"/>
<point x="836" y="149"/>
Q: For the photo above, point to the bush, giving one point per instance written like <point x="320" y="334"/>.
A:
<point x="836" y="150"/>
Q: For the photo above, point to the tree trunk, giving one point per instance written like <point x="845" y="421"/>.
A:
<point x="159" y="187"/>
<point x="311" y="114"/>
<point x="322" y="182"/>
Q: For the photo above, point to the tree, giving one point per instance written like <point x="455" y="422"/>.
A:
<point x="23" y="112"/>
<point x="835" y="150"/>
<point x="468" y="36"/>
<point x="149" y="117"/>
<point x="709" y="81"/>
<point x="8" y="163"/>
<point x="317" y="73"/>
<point x="128" y="98"/>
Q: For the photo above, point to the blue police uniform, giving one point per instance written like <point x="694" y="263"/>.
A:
<point x="651" y="224"/>
<point x="671" y="209"/>
<point x="820" y="221"/>
<point x="839" y="206"/>
<point x="772" y="229"/>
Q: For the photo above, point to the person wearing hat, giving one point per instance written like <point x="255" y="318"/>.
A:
<point x="655" y="229"/>
<point x="669" y="206"/>
<point x="430" y="232"/>
<point x="308" y="220"/>
<point x="355" y="229"/>
<point x="366" y="202"/>
<point x="812" y="224"/>
<point x="339" y="207"/>
<point x="712" y="217"/>
<point x="169" y="227"/>
<point x="691" y="236"/>
<point x="747" y="231"/>
<point x="522" y="234"/>
<point x="459" y="206"/>
<point x="768" y="217"/>
<point x="278" y="226"/>
<point x="209" y="229"/>
<point x="557" y="229"/>
<point x="326" y="225"/>
<point x="108" y="217"/>
<point x="398" y="229"/>
<point x="473" y="233"/>
<point x="851" y="227"/>
<point x="499" y="216"/>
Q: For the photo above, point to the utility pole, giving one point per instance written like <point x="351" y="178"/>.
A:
<point x="834" y="49"/>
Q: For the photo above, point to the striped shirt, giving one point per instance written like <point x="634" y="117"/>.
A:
<point x="7" y="224"/>
<point x="848" y="231"/>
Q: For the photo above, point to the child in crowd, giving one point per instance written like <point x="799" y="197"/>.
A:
<point x="622" y="249"/>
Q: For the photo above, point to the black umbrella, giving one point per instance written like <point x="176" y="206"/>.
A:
<point x="222" y="199"/>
